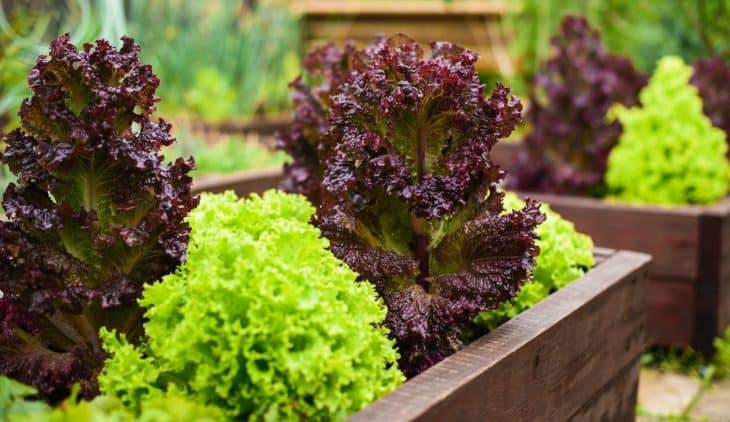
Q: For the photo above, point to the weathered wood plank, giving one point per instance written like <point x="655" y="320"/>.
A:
<point x="616" y="401"/>
<point x="544" y="364"/>
<point x="264" y="126"/>
<point x="721" y="212"/>
<point x="670" y="235"/>
<point x="670" y="312"/>
<point x="690" y="245"/>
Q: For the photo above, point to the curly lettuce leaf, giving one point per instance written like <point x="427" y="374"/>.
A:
<point x="409" y="195"/>
<point x="669" y="151"/>
<point x="94" y="215"/>
<point x="565" y="255"/>
<point x="261" y="321"/>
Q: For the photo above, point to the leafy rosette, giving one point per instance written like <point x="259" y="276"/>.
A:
<point x="95" y="214"/>
<point x="567" y="150"/>
<point x="410" y="198"/>
<point x="669" y="151"/>
<point x="711" y="77"/>
<point x="326" y="68"/>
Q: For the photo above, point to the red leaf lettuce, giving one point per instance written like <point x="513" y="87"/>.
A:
<point x="95" y="213"/>
<point x="711" y="77"/>
<point x="326" y="68"/>
<point x="409" y="197"/>
<point x="567" y="150"/>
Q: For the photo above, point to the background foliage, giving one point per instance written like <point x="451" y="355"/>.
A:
<point x="645" y="30"/>
<point x="668" y="152"/>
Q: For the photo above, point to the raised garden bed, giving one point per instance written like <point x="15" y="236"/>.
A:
<point x="471" y="24"/>
<point x="262" y="126"/>
<point x="573" y="356"/>
<point x="689" y="278"/>
<point x="548" y="363"/>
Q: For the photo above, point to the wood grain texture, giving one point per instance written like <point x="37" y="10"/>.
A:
<point x="670" y="235"/>
<point x="689" y="244"/>
<point x="721" y="212"/>
<point x="559" y="360"/>
<point x="616" y="402"/>
<point x="670" y="312"/>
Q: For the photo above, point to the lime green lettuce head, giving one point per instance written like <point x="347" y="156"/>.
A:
<point x="669" y="152"/>
<point x="17" y="404"/>
<point x="261" y="321"/>
<point x="565" y="255"/>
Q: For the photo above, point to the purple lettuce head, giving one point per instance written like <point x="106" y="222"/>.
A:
<point x="409" y="193"/>
<point x="95" y="214"/>
<point x="326" y="68"/>
<point x="567" y="150"/>
<point x="711" y="77"/>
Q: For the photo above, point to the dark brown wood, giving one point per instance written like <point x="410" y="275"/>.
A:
<point x="573" y="356"/>
<point x="616" y="402"/>
<point x="471" y="24"/>
<point x="689" y="300"/>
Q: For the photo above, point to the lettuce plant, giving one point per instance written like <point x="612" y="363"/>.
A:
<point x="711" y="77"/>
<point x="409" y="195"/>
<point x="257" y="324"/>
<point x="565" y="255"/>
<point x="94" y="215"/>
<point x="326" y="68"/>
<point x="17" y="405"/>
<point x="566" y="151"/>
<point x="669" y="152"/>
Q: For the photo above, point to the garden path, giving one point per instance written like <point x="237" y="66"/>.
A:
<point x="665" y="396"/>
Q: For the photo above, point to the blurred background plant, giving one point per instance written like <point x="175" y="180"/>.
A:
<point x="221" y="154"/>
<point x="225" y="60"/>
<point x="218" y="59"/>
<point x="26" y="27"/>
<point x="645" y="30"/>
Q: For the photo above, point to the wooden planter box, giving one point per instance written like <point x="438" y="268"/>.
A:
<point x="689" y="287"/>
<point x="688" y="300"/>
<point x="474" y="24"/>
<point x="261" y="126"/>
<point x="573" y="356"/>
